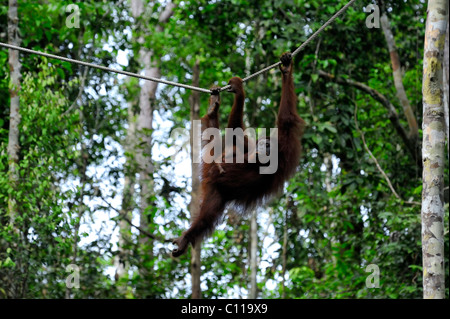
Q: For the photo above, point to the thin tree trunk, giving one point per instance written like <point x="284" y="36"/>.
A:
<point x="14" y="113"/>
<point x="82" y="168"/>
<point x="398" y="78"/>
<point x="121" y="260"/>
<point x="284" y="255"/>
<point x="309" y="88"/>
<point x="144" y="138"/>
<point x="253" y="256"/>
<point x="143" y="134"/>
<point x="145" y="121"/>
<point x="433" y="152"/>
<point x="19" y="287"/>
<point x="328" y="161"/>
<point x="446" y="84"/>
<point x="194" y="205"/>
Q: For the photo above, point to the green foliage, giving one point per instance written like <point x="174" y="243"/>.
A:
<point x="45" y="246"/>
<point x="334" y="218"/>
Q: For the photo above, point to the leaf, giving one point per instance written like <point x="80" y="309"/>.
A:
<point x="317" y="139"/>
<point x="9" y="263"/>
<point x="331" y="128"/>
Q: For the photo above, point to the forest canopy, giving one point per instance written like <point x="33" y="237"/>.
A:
<point x="96" y="170"/>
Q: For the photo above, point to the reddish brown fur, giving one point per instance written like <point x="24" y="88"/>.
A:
<point x="241" y="184"/>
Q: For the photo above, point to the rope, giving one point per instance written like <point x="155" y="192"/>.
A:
<point x="301" y="47"/>
<point x="104" y="68"/>
<point x="189" y="87"/>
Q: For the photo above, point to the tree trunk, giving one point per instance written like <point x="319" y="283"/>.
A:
<point x="82" y="166"/>
<point x="284" y="254"/>
<point x="253" y="256"/>
<point x="145" y="121"/>
<point x="121" y="260"/>
<point x="398" y="78"/>
<point x="446" y="84"/>
<point x="194" y="205"/>
<point x="14" y="113"/>
<point x="433" y="152"/>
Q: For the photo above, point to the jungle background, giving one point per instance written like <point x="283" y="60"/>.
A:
<point x="105" y="179"/>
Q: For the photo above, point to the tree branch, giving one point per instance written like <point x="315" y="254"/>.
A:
<point x="398" y="78"/>
<point x="316" y="55"/>
<point x="123" y="216"/>
<point x="411" y="144"/>
<point x="376" y="161"/>
<point x="80" y="92"/>
<point x="167" y="13"/>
